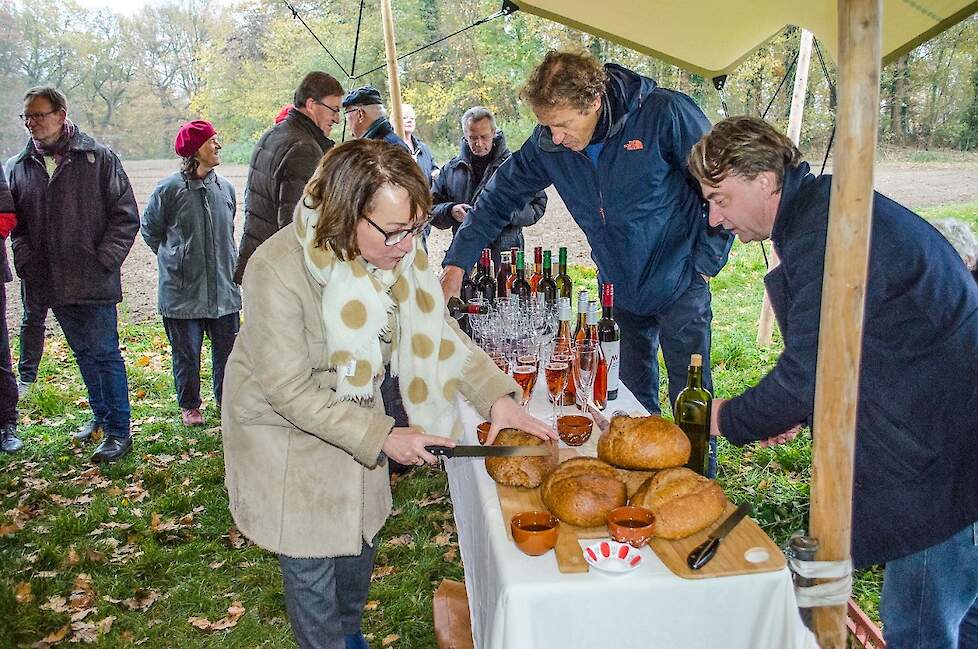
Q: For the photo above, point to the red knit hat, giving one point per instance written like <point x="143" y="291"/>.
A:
<point x="192" y="136"/>
<point x="282" y="114"/>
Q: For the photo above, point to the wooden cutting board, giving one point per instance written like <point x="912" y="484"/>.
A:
<point x="729" y="560"/>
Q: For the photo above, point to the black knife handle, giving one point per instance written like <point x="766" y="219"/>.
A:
<point x="702" y="553"/>
<point x="445" y="451"/>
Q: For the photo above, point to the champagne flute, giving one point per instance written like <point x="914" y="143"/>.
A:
<point x="585" y="366"/>
<point x="526" y="376"/>
<point x="556" y="372"/>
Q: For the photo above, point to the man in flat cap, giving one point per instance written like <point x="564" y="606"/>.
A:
<point x="367" y="118"/>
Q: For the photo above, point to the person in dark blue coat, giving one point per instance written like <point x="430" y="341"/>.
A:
<point x="915" y="490"/>
<point x="367" y="118"/>
<point x="614" y="146"/>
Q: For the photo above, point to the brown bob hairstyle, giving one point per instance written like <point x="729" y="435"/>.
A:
<point x="343" y="187"/>
<point x="743" y="146"/>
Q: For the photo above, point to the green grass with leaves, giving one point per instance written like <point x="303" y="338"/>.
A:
<point x="145" y="551"/>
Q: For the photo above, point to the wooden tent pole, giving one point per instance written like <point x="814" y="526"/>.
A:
<point x="843" y="295"/>
<point x="765" y="326"/>
<point x="390" y="50"/>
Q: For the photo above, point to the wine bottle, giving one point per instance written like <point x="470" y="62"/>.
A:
<point x="502" y="279"/>
<point x="692" y="412"/>
<point x="486" y="284"/>
<point x="537" y="268"/>
<point x="610" y="337"/>
<point x="467" y="290"/>
<point x="459" y="309"/>
<point x="563" y="345"/>
<point x="521" y="287"/>
<point x="512" y="270"/>
<point x="601" y="371"/>
<point x="580" y="328"/>
<point x="565" y="286"/>
<point x="547" y="287"/>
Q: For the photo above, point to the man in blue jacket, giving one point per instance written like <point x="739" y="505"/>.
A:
<point x="915" y="491"/>
<point x="614" y="146"/>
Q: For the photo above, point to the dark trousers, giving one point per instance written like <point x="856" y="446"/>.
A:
<point x="682" y="329"/>
<point x="186" y="339"/>
<point x="92" y="332"/>
<point x="390" y="392"/>
<point x="325" y="597"/>
<point x="8" y="383"/>
<point x="31" y="336"/>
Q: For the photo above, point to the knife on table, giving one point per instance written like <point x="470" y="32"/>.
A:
<point x="705" y="551"/>
<point x="488" y="451"/>
<point x="600" y="420"/>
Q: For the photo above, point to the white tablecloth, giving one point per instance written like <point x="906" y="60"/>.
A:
<point x="523" y="602"/>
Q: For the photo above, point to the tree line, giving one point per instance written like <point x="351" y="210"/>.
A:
<point x="131" y="80"/>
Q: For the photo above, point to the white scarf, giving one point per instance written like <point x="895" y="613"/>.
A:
<point x="358" y="298"/>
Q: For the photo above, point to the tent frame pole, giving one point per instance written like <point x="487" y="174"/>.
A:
<point x="844" y="296"/>
<point x="765" y="326"/>
<point x="390" y="51"/>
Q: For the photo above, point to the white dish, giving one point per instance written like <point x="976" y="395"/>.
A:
<point x="612" y="557"/>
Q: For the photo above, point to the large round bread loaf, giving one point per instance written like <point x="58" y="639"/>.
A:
<point x="519" y="471"/>
<point x="683" y="502"/>
<point x="582" y="490"/>
<point x="643" y="443"/>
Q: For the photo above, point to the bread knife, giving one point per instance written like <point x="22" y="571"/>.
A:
<point x="702" y="553"/>
<point x="488" y="451"/>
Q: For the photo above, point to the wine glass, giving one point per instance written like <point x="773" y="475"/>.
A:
<point x="526" y="376"/>
<point x="585" y="364"/>
<point x="556" y="372"/>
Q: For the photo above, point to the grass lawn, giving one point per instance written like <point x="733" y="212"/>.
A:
<point x="145" y="552"/>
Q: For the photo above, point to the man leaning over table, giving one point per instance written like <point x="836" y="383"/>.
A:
<point x="614" y="144"/>
<point x="915" y="491"/>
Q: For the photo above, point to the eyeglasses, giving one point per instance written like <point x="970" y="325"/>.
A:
<point x="351" y="110"/>
<point x="472" y="139"/>
<point x="27" y="117"/>
<point x="397" y="236"/>
<point x="336" y="111"/>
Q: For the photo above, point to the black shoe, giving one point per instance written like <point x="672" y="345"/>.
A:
<point x="9" y="442"/>
<point x="112" y="449"/>
<point x="84" y="433"/>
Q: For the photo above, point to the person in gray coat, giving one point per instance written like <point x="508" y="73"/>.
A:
<point x="189" y="224"/>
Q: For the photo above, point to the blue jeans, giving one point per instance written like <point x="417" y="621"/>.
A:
<point x="683" y="329"/>
<point x="186" y="337"/>
<point x="325" y="598"/>
<point x="930" y="598"/>
<point x="92" y="332"/>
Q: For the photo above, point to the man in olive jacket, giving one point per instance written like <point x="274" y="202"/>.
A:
<point x="284" y="160"/>
<point x="77" y="220"/>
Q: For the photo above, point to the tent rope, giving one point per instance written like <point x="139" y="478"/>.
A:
<point x="828" y="80"/>
<point x="718" y="83"/>
<point x="296" y="16"/>
<point x="507" y="9"/>
<point x="784" y="80"/>
<point x="353" y="63"/>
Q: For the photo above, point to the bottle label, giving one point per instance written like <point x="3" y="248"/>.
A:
<point x="612" y="355"/>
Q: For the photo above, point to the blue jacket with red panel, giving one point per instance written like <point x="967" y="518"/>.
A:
<point x="629" y="192"/>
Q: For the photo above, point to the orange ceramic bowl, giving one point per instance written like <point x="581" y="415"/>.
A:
<point x="482" y="431"/>
<point x="631" y="525"/>
<point x="535" y="532"/>
<point x="574" y="430"/>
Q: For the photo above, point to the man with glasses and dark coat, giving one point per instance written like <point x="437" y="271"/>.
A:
<point x="284" y="160"/>
<point x="464" y="177"/>
<point x="76" y="221"/>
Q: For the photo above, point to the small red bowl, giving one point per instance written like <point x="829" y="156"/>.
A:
<point x="631" y="525"/>
<point x="574" y="430"/>
<point x="535" y="532"/>
<point x="482" y="431"/>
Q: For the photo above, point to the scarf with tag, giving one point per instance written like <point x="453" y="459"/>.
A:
<point x="59" y="147"/>
<point x="427" y="355"/>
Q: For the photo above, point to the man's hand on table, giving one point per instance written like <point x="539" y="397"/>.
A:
<point x="506" y="413"/>
<point x="451" y="281"/>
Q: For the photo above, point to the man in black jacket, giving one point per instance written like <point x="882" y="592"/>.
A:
<point x="915" y="489"/>
<point x="464" y="177"/>
<point x="367" y="117"/>
<point x="284" y="160"/>
<point x="77" y="220"/>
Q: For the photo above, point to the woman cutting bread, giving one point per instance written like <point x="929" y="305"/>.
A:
<point x="333" y="302"/>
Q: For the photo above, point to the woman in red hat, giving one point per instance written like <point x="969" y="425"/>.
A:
<point x="189" y="224"/>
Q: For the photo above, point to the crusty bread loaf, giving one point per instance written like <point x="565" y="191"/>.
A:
<point x="683" y="502"/>
<point x="582" y="490"/>
<point x="525" y="471"/>
<point x="643" y="443"/>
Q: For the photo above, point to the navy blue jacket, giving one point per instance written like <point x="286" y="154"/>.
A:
<point x="917" y="413"/>
<point x="424" y="158"/>
<point x="640" y="211"/>
<point x="381" y="129"/>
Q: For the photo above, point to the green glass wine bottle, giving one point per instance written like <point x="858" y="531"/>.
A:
<point x="692" y="413"/>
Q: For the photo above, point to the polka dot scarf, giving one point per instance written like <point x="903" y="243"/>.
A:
<point x="426" y="353"/>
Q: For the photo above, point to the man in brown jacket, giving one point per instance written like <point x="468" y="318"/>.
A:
<point x="284" y="160"/>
